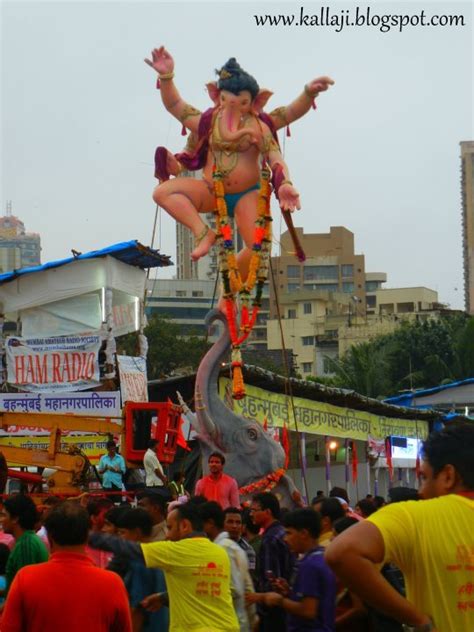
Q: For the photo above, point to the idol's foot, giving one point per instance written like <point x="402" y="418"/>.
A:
<point x="204" y="243"/>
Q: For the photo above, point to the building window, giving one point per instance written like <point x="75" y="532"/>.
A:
<point x="293" y="272"/>
<point x="198" y="293"/>
<point x="307" y="341"/>
<point x="347" y="286"/>
<point x="293" y="287"/>
<point x="292" y="313"/>
<point x="307" y="308"/>
<point x="371" y="286"/>
<point x="307" y="367"/>
<point x="347" y="271"/>
<point x="320" y="273"/>
<point x="329" y="287"/>
<point x="180" y="292"/>
<point x="371" y="302"/>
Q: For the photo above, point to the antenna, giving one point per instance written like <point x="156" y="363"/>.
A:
<point x="9" y="208"/>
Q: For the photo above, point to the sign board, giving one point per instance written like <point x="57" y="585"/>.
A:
<point x="53" y="364"/>
<point x="133" y="379"/>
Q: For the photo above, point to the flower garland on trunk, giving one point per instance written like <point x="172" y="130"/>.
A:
<point x="232" y="282"/>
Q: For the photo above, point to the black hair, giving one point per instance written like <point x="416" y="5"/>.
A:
<point x="51" y="501"/>
<point x="217" y="455"/>
<point x="154" y="499"/>
<point x="318" y="499"/>
<point x="249" y="524"/>
<point x="113" y="515"/>
<point x="232" y="510"/>
<point x="191" y="512"/>
<point x="23" y="508"/>
<point x="306" y="518"/>
<point x="177" y="475"/>
<point x="94" y="507"/>
<point x="400" y="494"/>
<point x="454" y="445"/>
<point x="4" y="555"/>
<point x="233" y="78"/>
<point x="379" y="501"/>
<point x="212" y="511"/>
<point x="136" y="519"/>
<point x="267" y="500"/>
<point x="342" y="524"/>
<point x="367" y="507"/>
<point x="67" y="524"/>
<point x="339" y="492"/>
<point x="111" y="444"/>
<point x="153" y="443"/>
<point x="331" y="508"/>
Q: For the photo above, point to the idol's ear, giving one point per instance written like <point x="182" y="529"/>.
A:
<point x="213" y="92"/>
<point x="260" y="100"/>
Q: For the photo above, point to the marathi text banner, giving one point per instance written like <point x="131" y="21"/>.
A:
<point x="321" y="418"/>
<point x="133" y="379"/>
<point x="93" y="446"/>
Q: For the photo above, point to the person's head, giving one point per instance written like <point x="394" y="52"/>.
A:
<point x="365" y="507"/>
<point x="155" y="504"/>
<point x="135" y="525"/>
<point x="212" y="516"/>
<point x="178" y="477"/>
<point x="67" y="525"/>
<point x="341" y="524"/>
<point x="448" y="461"/>
<point x="48" y="503"/>
<point x="319" y="493"/>
<point x="400" y="494"/>
<point x="339" y="492"/>
<point x="302" y="529"/>
<point x="97" y="508"/>
<point x="111" y="518"/>
<point x="379" y="501"/>
<point x="20" y="514"/>
<point x="111" y="448"/>
<point x="233" y="522"/>
<point x="182" y="521"/>
<point x="330" y="510"/>
<point x="216" y="462"/>
<point x="264" y="509"/>
<point x="153" y="444"/>
<point x="249" y="528"/>
<point x="4" y="555"/>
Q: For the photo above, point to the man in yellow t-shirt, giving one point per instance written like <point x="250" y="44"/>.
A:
<point x="431" y="541"/>
<point x="197" y="573"/>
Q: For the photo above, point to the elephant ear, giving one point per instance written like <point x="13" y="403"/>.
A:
<point x="260" y="100"/>
<point x="213" y="92"/>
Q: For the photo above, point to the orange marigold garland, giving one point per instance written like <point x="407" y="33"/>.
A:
<point x="231" y="279"/>
<point x="265" y="484"/>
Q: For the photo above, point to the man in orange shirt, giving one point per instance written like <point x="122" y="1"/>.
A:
<point x="218" y="486"/>
<point x="68" y="592"/>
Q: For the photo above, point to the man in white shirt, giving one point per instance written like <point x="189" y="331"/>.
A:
<point x="154" y="475"/>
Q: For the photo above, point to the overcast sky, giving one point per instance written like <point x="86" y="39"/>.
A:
<point x="81" y="119"/>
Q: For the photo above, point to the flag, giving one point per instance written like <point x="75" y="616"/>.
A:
<point x="265" y="424"/>
<point x="180" y="440"/>
<point x="355" y="462"/>
<point x="388" y="456"/>
<point x="285" y="442"/>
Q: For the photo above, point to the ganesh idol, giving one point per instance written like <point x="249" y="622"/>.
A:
<point x="234" y="138"/>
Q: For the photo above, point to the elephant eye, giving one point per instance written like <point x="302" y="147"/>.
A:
<point x="252" y="434"/>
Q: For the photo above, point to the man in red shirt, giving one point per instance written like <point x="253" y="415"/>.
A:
<point x="217" y="485"/>
<point x="68" y="592"/>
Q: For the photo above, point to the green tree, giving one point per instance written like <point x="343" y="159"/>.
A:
<point x="168" y="350"/>
<point x="364" y="369"/>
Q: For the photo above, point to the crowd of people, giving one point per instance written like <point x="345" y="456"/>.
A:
<point x="204" y="562"/>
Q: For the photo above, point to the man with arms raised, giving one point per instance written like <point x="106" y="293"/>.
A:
<point x="431" y="541"/>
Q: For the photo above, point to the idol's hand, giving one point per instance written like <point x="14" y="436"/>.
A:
<point x="321" y="84"/>
<point x="161" y="61"/>
<point x="289" y="198"/>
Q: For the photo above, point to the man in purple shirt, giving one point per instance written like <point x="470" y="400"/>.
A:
<point x="310" y="598"/>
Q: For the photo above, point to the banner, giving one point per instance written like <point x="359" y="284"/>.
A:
<point x="53" y="364"/>
<point x="320" y="418"/>
<point x="133" y="379"/>
<point x="93" y="404"/>
<point x="93" y="446"/>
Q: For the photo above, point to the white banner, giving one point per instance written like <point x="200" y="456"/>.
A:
<point x="53" y="364"/>
<point x="133" y="379"/>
